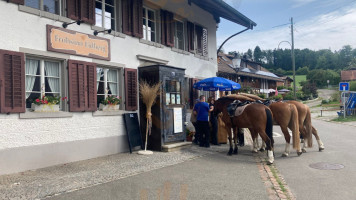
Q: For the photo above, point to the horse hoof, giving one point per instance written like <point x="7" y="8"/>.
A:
<point x="262" y="150"/>
<point x="269" y="162"/>
<point x="299" y="153"/>
<point x="255" y="151"/>
<point x="321" y="148"/>
<point x="304" y="151"/>
<point x="236" y="151"/>
<point x="284" y="155"/>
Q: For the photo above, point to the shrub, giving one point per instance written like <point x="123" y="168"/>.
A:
<point x="263" y="96"/>
<point x="275" y="97"/>
<point x="353" y="86"/>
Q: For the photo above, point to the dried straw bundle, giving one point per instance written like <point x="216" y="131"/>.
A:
<point x="149" y="95"/>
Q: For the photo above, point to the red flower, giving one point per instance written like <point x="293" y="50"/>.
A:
<point x="46" y="102"/>
<point x="37" y="100"/>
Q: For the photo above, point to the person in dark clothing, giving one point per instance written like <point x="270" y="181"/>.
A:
<point x="213" y="121"/>
<point x="202" y="111"/>
<point x="193" y="119"/>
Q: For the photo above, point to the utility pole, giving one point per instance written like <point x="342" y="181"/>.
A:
<point x="293" y="60"/>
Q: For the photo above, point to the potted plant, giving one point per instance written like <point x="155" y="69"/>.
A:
<point x="110" y="103"/>
<point x="47" y="104"/>
<point x="189" y="135"/>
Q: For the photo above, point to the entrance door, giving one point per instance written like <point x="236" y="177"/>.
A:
<point x="173" y="108"/>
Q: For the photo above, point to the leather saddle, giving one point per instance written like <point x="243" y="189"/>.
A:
<point x="231" y="108"/>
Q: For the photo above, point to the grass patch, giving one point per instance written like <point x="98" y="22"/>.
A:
<point x="346" y="119"/>
<point x="274" y="172"/>
<point x="298" y="78"/>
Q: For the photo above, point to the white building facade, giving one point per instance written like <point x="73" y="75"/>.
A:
<point x="144" y="32"/>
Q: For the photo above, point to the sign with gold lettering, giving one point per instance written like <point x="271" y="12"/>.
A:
<point x="75" y="43"/>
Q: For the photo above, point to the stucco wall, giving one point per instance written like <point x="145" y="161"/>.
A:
<point x="21" y="30"/>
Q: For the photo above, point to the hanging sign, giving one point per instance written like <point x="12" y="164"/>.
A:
<point x="75" y="43"/>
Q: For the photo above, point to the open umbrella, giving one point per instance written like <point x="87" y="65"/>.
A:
<point x="283" y="90"/>
<point x="216" y="83"/>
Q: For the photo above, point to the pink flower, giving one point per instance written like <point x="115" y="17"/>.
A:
<point x="37" y="100"/>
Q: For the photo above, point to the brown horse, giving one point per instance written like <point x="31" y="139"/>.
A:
<point x="256" y="117"/>
<point x="286" y="116"/>
<point x="305" y="126"/>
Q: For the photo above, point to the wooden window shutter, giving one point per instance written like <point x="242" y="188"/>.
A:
<point x="21" y="2"/>
<point x="73" y="9"/>
<point x="91" y="87"/>
<point x="87" y="11"/>
<point x="76" y="86"/>
<point x="190" y="31"/>
<point x="131" y="89"/>
<point x="12" y="82"/>
<point x="170" y="29"/>
<point x="137" y="18"/>
<point x="167" y="25"/>
<point x="199" y="32"/>
<point x="126" y="16"/>
<point x="163" y="27"/>
<point x="82" y="86"/>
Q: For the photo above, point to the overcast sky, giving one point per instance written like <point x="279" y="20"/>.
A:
<point x="318" y="24"/>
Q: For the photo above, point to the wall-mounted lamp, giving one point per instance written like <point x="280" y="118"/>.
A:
<point x="97" y="32"/>
<point x="65" y="24"/>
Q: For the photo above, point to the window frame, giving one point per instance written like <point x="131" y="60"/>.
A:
<point x="145" y="17"/>
<point x="61" y="9"/>
<point x="43" y="76"/>
<point x="176" y="42"/>
<point x="105" y="81"/>
<point x="116" y="14"/>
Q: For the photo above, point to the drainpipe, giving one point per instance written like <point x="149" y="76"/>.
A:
<point x="232" y="37"/>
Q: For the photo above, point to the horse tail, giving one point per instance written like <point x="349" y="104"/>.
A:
<point x="294" y="125"/>
<point x="309" y="128"/>
<point x="269" y="125"/>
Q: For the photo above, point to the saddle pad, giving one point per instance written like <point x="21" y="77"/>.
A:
<point x="240" y="110"/>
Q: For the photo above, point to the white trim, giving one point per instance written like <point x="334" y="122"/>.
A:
<point x="152" y="59"/>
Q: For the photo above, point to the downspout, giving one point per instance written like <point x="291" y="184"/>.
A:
<point x="232" y="37"/>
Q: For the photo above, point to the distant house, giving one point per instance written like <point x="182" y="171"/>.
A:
<point x="287" y="81"/>
<point x="248" y="73"/>
<point x="348" y="75"/>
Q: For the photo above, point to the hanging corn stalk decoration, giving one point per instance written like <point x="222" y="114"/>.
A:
<point x="148" y="94"/>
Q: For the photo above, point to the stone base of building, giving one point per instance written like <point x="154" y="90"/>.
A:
<point x="34" y="157"/>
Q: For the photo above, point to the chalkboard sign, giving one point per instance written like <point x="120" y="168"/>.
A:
<point x="133" y="130"/>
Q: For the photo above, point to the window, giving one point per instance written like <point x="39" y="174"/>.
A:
<point x="105" y="14"/>
<point x="173" y="92"/>
<point x="52" y="6"/>
<point x="42" y="79"/>
<point x="107" y="83"/>
<point x="179" y="35"/>
<point x="149" y="24"/>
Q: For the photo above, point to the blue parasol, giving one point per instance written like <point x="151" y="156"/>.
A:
<point x="216" y="83"/>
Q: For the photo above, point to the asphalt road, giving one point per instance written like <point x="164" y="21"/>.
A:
<point x="216" y="176"/>
<point x="309" y="183"/>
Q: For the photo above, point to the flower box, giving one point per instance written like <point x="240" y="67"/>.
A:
<point x="45" y="108"/>
<point x="109" y="107"/>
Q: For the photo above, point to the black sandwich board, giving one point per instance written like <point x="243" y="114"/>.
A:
<point x="133" y="130"/>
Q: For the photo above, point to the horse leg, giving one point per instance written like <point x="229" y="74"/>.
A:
<point x="287" y="138"/>
<point x="228" y="129"/>
<point x="316" y="135"/>
<point x="236" y="132"/>
<point x="302" y="131"/>
<point x="269" y="144"/>
<point x="263" y="146"/>
<point x="255" y="141"/>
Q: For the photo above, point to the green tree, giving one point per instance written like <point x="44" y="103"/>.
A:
<point x="257" y="54"/>
<point x="302" y="71"/>
<point x="249" y="53"/>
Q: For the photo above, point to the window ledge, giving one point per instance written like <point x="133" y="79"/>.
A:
<point x="155" y="44"/>
<point x="110" y="113"/>
<point x="202" y="57"/>
<point x="44" y="14"/>
<point x="113" y="33"/>
<point x="180" y="51"/>
<point x="35" y="115"/>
